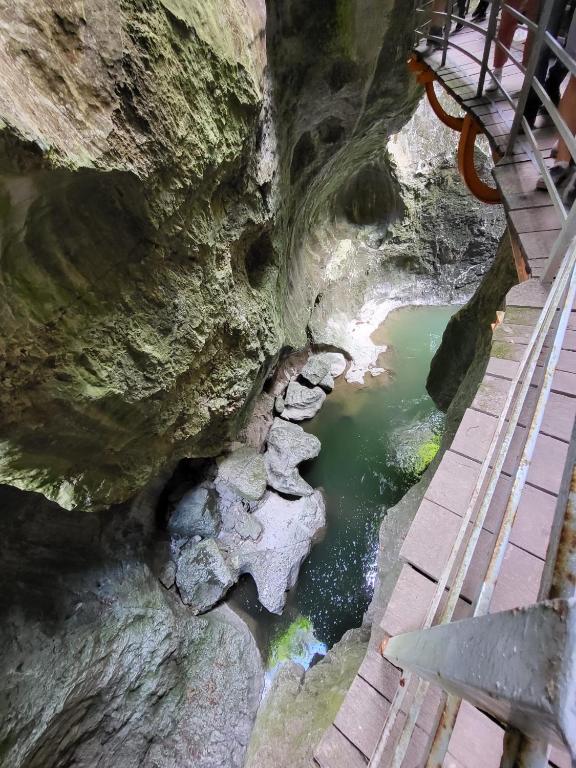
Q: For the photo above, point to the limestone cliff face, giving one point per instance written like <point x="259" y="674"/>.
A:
<point x="152" y="260"/>
<point x="138" y="278"/>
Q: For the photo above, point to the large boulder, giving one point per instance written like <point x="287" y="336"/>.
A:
<point x="302" y="402"/>
<point x="289" y="530"/>
<point x="195" y="514"/>
<point x="288" y="446"/>
<point x="316" y="369"/>
<point x="244" y="472"/>
<point x="203" y="576"/>
<point x="337" y="362"/>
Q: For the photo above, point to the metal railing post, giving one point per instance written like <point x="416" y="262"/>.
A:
<point x="561" y="245"/>
<point x="530" y="69"/>
<point x="447" y="28"/>
<point x="490" y="35"/>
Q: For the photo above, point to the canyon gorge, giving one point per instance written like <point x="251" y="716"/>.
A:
<point x="209" y="212"/>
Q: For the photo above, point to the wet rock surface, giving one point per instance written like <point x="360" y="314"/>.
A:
<point x="288" y="446"/>
<point x="202" y="575"/>
<point x="289" y="528"/>
<point x="300" y="402"/>
<point x="244" y="471"/>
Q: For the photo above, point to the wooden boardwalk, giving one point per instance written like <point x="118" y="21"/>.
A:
<point x="477" y="740"/>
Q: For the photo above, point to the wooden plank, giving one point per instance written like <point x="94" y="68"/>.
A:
<point x="335" y="751"/>
<point x="430" y="539"/>
<point x="380" y="674"/>
<point x="518" y="582"/>
<point x="385" y="677"/>
<point x="506" y="369"/>
<point x="453" y="482"/>
<point x="559" y="415"/>
<point x="564" y="383"/>
<point x="362" y="716"/>
<point x="430" y="542"/>
<point x="535" y="219"/>
<point x="538" y="244"/>
<point x="409" y="603"/>
<point x="533" y="523"/>
<point x="491" y="395"/>
<point x="474" y="435"/>
<point x="477" y="742"/>
<point x="532" y="293"/>
<point x="547" y="464"/>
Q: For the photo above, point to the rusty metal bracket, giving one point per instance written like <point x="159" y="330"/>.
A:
<point x="468" y="128"/>
<point x="467" y="166"/>
<point x="426" y="77"/>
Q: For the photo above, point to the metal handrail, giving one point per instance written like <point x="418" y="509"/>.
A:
<point x="543" y="40"/>
<point x="563" y="286"/>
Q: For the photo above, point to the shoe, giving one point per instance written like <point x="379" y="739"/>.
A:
<point x="558" y="173"/>
<point x="494" y="82"/>
<point x="457" y="28"/>
<point x="480" y="11"/>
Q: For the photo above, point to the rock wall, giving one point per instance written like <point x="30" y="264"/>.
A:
<point x="138" y="282"/>
<point x="158" y="175"/>
<point x="100" y="665"/>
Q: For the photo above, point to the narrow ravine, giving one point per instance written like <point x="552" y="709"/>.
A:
<point x="376" y="441"/>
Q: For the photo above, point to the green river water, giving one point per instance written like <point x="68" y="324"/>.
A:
<point x="376" y="441"/>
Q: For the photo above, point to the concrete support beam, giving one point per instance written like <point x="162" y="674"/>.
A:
<point x="518" y="665"/>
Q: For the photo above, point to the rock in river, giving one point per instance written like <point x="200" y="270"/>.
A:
<point x="302" y="402"/>
<point x="337" y="363"/>
<point x="289" y="530"/>
<point x="244" y="472"/>
<point x="288" y="446"/>
<point x="195" y="514"/>
<point x="203" y="576"/>
<point x="316" y="369"/>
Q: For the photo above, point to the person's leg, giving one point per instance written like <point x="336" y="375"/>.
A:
<point x="506" y="30"/>
<point x="505" y="36"/>
<point x="567" y="110"/>
<point x="480" y="11"/>
<point x="436" y="23"/>
<point x="530" y="9"/>
<point x="461" y="12"/>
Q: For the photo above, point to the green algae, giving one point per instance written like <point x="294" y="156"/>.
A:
<point x="426" y="453"/>
<point x="292" y="642"/>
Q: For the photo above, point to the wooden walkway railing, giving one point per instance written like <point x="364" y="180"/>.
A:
<point x="487" y="534"/>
